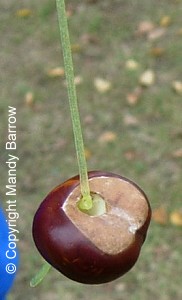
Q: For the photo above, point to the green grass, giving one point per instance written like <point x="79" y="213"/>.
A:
<point x="31" y="46"/>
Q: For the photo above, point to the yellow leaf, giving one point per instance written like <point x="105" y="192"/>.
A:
<point x="157" y="51"/>
<point x="88" y="153"/>
<point x="131" y="64"/>
<point x="24" y="12"/>
<point x="29" y="99"/>
<point x="160" y="215"/>
<point x="179" y="31"/>
<point x="147" y="78"/>
<point x="102" y="85"/>
<point x="56" y="72"/>
<point x="165" y="21"/>
<point x="107" y="136"/>
<point x="176" y="218"/>
<point x="76" y="48"/>
<point x="177" y="87"/>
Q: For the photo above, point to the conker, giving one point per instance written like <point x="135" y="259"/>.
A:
<point x="98" y="248"/>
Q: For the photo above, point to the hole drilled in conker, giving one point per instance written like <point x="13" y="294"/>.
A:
<point x="98" y="206"/>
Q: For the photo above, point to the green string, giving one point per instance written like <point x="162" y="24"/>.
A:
<point x="86" y="200"/>
<point x="40" y="275"/>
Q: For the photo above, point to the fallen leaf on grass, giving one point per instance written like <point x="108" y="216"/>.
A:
<point x="179" y="31"/>
<point x="176" y="218"/>
<point x="76" y="48"/>
<point x="147" y="78"/>
<point x="165" y="21"/>
<point x="157" y="51"/>
<point x="144" y="27"/>
<point x="133" y="97"/>
<point x="156" y="33"/>
<point x="24" y="12"/>
<point x="102" y="85"/>
<point x="120" y="287"/>
<point x="177" y="87"/>
<point x="78" y="80"/>
<point x="130" y="155"/>
<point x="88" y="153"/>
<point x="55" y="72"/>
<point x="69" y="11"/>
<point x="107" y="136"/>
<point x="29" y="99"/>
<point x="177" y="153"/>
<point x="131" y="64"/>
<point x="130" y="120"/>
<point x="160" y="216"/>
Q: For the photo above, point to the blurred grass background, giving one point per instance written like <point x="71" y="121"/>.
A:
<point x="144" y="136"/>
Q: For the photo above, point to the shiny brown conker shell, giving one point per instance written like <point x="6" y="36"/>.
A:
<point x="93" y="249"/>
